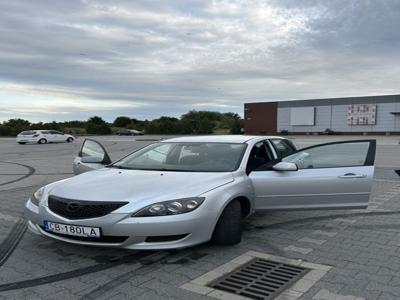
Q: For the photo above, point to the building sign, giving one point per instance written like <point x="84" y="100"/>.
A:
<point x="361" y="114"/>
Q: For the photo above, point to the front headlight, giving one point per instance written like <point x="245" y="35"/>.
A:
<point x="35" y="199"/>
<point x="167" y="208"/>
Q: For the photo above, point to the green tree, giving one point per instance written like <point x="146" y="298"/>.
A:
<point x="122" y="121"/>
<point x="14" y="126"/>
<point x="200" y="122"/>
<point x="164" y="125"/>
<point x="231" y="121"/>
<point x="96" y="125"/>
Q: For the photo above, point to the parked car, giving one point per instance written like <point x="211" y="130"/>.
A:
<point x="185" y="191"/>
<point x="43" y="137"/>
<point x="129" y="132"/>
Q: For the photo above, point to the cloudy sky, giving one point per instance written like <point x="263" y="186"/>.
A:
<point x="63" y="60"/>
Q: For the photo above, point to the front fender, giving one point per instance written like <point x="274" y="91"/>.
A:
<point x="219" y="198"/>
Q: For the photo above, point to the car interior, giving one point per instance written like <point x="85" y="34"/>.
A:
<point x="260" y="155"/>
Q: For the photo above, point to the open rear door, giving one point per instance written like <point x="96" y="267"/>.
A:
<point x="92" y="156"/>
<point x="326" y="176"/>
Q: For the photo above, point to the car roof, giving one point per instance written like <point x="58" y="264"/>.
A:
<point x="41" y="130"/>
<point x="218" y="138"/>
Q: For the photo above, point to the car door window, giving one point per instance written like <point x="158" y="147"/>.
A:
<point x="283" y="147"/>
<point x="92" y="148"/>
<point x="334" y="155"/>
<point x="260" y="155"/>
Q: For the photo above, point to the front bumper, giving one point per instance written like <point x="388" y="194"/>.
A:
<point x="194" y="228"/>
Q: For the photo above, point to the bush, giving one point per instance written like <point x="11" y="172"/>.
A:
<point x="284" y="132"/>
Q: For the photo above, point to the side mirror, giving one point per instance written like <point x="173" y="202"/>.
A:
<point x="92" y="159"/>
<point x="285" y="166"/>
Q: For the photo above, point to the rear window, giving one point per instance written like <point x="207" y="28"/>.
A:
<point x="28" y="133"/>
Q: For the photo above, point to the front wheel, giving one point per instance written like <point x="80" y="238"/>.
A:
<point x="70" y="140"/>
<point x="42" y="141"/>
<point x="228" y="230"/>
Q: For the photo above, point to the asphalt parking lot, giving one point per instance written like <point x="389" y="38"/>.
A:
<point x="362" y="247"/>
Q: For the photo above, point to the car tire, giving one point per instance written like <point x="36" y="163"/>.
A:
<point x="228" y="230"/>
<point x="70" y="140"/>
<point x="22" y="143"/>
<point x="42" y="141"/>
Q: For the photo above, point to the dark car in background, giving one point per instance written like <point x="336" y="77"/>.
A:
<point x="129" y="132"/>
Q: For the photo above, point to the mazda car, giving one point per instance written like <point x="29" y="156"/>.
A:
<point x="185" y="191"/>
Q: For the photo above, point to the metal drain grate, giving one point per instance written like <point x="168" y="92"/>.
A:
<point x="260" y="279"/>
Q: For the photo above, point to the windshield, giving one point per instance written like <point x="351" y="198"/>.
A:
<point x="187" y="157"/>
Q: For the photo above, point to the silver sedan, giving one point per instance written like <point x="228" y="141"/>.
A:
<point x="186" y="191"/>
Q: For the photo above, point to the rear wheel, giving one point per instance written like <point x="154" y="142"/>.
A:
<point x="22" y="143"/>
<point x="228" y="230"/>
<point x="70" y="140"/>
<point x="42" y="141"/>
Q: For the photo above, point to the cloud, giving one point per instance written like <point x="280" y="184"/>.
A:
<point x="150" y="58"/>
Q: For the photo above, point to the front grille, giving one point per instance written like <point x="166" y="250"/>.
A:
<point x="112" y="239"/>
<point x="79" y="209"/>
<point x="260" y="279"/>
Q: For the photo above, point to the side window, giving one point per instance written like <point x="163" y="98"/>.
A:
<point x="331" y="156"/>
<point x="91" y="148"/>
<point x="260" y="155"/>
<point x="283" y="147"/>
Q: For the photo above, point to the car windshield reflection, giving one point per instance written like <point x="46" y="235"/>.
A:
<point x="185" y="157"/>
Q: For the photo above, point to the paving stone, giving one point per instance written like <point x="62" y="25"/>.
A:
<point x="325" y="233"/>
<point x="298" y="249"/>
<point x="311" y="241"/>
<point x="327" y="295"/>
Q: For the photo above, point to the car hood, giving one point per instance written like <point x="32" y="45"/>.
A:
<point x="138" y="186"/>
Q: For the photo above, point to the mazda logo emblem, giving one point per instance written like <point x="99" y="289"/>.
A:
<point x="73" y="207"/>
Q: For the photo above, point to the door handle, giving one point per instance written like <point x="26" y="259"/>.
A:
<point x="352" y="175"/>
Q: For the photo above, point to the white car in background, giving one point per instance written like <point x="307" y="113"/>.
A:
<point x="43" y="137"/>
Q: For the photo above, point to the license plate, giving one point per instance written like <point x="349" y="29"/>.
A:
<point x="84" y="231"/>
